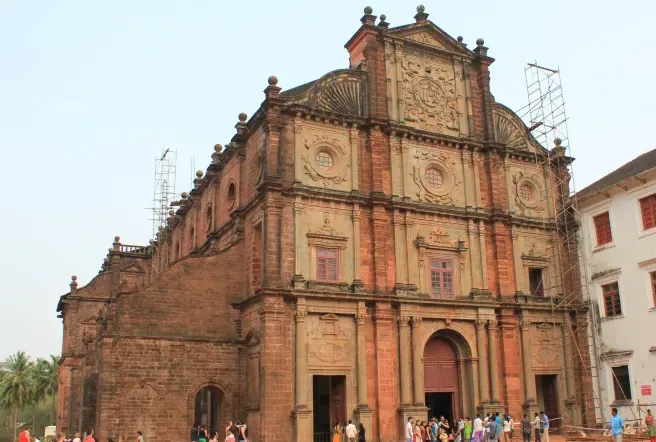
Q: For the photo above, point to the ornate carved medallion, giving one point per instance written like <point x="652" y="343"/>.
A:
<point x="325" y="160"/>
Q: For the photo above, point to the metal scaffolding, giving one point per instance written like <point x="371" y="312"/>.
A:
<point x="547" y="120"/>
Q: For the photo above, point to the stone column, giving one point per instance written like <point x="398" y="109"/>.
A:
<point x="483" y="370"/>
<point x="399" y="251"/>
<point x="363" y="412"/>
<point x="298" y="280"/>
<point x="481" y="237"/>
<point x="417" y="363"/>
<point x="573" y="409"/>
<point x="494" y="365"/>
<point x="404" y="350"/>
<point x="409" y="223"/>
<point x="357" y="283"/>
<point x="527" y="367"/>
<point x="301" y="357"/>
<point x="301" y="412"/>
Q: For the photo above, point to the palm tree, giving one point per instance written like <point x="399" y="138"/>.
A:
<point x="15" y="388"/>
<point x="47" y="380"/>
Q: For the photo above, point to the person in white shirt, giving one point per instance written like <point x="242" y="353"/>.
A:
<point x="77" y="438"/>
<point x="409" y="430"/>
<point x="478" y="429"/>
<point x="351" y="432"/>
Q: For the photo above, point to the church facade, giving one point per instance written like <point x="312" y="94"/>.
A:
<point x="376" y="244"/>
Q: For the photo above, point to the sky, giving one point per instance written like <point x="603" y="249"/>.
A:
<point x="92" y="92"/>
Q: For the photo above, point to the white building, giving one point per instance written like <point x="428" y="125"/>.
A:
<point x="618" y="216"/>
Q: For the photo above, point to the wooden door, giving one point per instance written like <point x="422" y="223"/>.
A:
<point x="549" y="389"/>
<point x="338" y="398"/>
<point x="441" y="370"/>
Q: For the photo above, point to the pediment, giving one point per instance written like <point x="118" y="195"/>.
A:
<point x="429" y="34"/>
<point x="510" y="130"/>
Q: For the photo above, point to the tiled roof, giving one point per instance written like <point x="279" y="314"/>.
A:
<point x="640" y="164"/>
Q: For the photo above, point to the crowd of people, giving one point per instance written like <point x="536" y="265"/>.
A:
<point x="492" y="428"/>
<point x="234" y="432"/>
<point x="349" y="433"/>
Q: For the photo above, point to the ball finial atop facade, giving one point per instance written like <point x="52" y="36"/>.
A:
<point x="184" y="195"/>
<point x="73" y="278"/>
<point x="368" y="10"/>
<point x="243" y="117"/>
<point x="218" y="148"/>
<point x="421" y="9"/>
<point x="383" y="17"/>
<point x="171" y="212"/>
<point x="460" y="39"/>
<point x="480" y="42"/>
<point x="199" y="174"/>
<point x="117" y="238"/>
<point x="273" y="80"/>
<point x="557" y="142"/>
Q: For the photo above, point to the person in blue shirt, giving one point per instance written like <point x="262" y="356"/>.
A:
<point x="498" y="419"/>
<point x="544" y="420"/>
<point x="616" y="425"/>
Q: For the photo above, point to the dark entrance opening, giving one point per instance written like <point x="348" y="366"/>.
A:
<point x="546" y="387"/>
<point x="329" y="405"/>
<point x="440" y="404"/>
<point x="207" y="408"/>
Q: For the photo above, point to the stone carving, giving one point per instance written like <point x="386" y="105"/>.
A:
<point x="337" y="172"/>
<point x="326" y="229"/>
<point x="428" y="159"/>
<point x="438" y="236"/>
<point x="528" y="192"/>
<point x="545" y="352"/>
<point x="328" y="327"/>
<point x="537" y="251"/>
<point x="339" y="91"/>
<point x="430" y="94"/>
<point x="508" y="131"/>
<point x="426" y="38"/>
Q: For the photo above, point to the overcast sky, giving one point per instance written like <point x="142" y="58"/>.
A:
<point x="92" y="92"/>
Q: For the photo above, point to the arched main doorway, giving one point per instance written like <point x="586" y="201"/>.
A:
<point x="209" y="407"/>
<point x="441" y="378"/>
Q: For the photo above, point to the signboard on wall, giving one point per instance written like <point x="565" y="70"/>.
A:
<point x="645" y="390"/>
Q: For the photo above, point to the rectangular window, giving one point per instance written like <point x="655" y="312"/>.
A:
<point x="648" y="212"/>
<point x="612" y="304"/>
<point x="653" y="286"/>
<point x="536" y="281"/>
<point x="441" y="279"/>
<point x="327" y="264"/>
<point x="602" y="228"/>
<point x="621" y="383"/>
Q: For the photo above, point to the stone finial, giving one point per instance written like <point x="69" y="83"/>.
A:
<point x="241" y="126"/>
<point x="199" y="174"/>
<point x="218" y="148"/>
<point x="73" y="283"/>
<point x="117" y="242"/>
<point x="480" y="49"/>
<point x="460" y="39"/>
<point x="272" y="90"/>
<point x="160" y="228"/>
<point x="368" y="18"/>
<point x="216" y="155"/>
<point x="421" y="16"/>
<point x="171" y="213"/>
<point x="243" y="117"/>
<point x="382" y="23"/>
<point x="184" y="196"/>
<point x="199" y="179"/>
<point x="557" y="142"/>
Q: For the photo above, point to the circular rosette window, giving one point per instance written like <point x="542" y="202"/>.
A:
<point x="437" y="178"/>
<point x="528" y="192"/>
<point x="327" y="162"/>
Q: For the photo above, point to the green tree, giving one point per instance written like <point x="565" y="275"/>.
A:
<point x="16" y="385"/>
<point x="46" y="380"/>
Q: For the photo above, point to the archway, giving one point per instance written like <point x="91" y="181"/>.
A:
<point x="441" y="378"/>
<point x="209" y="408"/>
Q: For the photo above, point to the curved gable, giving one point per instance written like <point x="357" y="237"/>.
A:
<point x="510" y="130"/>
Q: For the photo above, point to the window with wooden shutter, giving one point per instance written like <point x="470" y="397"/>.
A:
<point x="441" y="279"/>
<point x="327" y="264"/>
<point x="648" y="212"/>
<point x="653" y="286"/>
<point x="602" y="229"/>
<point x="612" y="304"/>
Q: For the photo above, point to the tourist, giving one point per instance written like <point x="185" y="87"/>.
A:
<point x="526" y="429"/>
<point x="443" y="436"/>
<point x="492" y="428"/>
<point x="202" y="433"/>
<point x="512" y="426"/>
<point x="456" y="432"/>
<point x="544" y="422"/>
<point x="60" y="438"/>
<point x="337" y="432"/>
<point x="36" y="439"/>
<point x="506" y="429"/>
<point x="140" y="437"/>
<point x="230" y="437"/>
<point x="651" y="426"/>
<point x="193" y="437"/>
<point x="434" y="430"/>
<point x="468" y="429"/>
<point x="616" y="425"/>
<point x="444" y="424"/>
<point x="486" y="429"/>
<point x="243" y="432"/>
<point x="76" y="438"/>
<point x="351" y="432"/>
<point x="537" y="428"/>
<point x="409" y="433"/>
<point x="89" y="437"/>
<point x="478" y="428"/>
<point x="24" y="435"/>
<point x="417" y="431"/>
<point x="361" y="433"/>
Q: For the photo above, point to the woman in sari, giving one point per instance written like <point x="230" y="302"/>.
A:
<point x="337" y="432"/>
<point x="651" y="426"/>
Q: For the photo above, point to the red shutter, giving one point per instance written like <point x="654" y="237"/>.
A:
<point x="648" y="211"/>
<point x="602" y="229"/>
